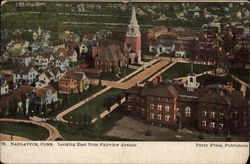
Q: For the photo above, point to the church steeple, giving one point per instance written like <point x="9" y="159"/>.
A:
<point x="133" y="27"/>
<point x="133" y="17"/>
<point x="133" y="39"/>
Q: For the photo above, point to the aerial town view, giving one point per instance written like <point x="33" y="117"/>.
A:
<point x="78" y="71"/>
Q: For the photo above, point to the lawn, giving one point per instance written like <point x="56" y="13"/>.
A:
<point x="111" y="76"/>
<point x="26" y="130"/>
<point x="71" y="99"/>
<point x="210" y="79"/>
<point x="183" y="69"/>
<point x="93" y="132"/>
<point x="95" y="106"/>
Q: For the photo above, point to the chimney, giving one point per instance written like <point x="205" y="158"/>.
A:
<point x="229" y="86"/>
<point x="155" y="82"/>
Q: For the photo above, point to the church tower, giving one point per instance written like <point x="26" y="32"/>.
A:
<point x="133" y="39"/>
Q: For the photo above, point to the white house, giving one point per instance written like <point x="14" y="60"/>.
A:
<point x="42" y="61"/>
<point x="247" y="13"/>
<point x="44" y="79"/>
<point x="44" y="96"/>
<point x="239" y="14"/>
<point x="71" y="54"/>
<point x="24" y="76"/>
<point x="57" y="72"/>
<point x="4" y="86"/>
<point x="62" y="62"/>
<point x="24" y="60"/>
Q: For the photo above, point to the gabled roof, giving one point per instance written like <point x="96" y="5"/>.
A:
<point x="23" y="70"/>
<point x="111" y="53"/>
<point x="41" y="93"/>
<point x="160" y="90"/>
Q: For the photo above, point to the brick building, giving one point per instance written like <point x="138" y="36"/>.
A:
<point x="73" y="80"/>
<point x="214" y="108"/>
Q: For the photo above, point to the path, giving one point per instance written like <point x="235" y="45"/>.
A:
<point x="6" y="137"/>
<point x="59" y="117"/>
<point x="138" y="78"/>
<point x="53" y="132"/>
<point x="106" y="112"/>
<point x="119" y="84"/>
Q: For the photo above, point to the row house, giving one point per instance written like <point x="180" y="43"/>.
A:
<point x="215" y="108"/>
<point x="110" y="58"/>
<point x="24" y="76"/>
<point x="74" y="80"/>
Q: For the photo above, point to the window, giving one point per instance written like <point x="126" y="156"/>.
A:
<point x="132" y="30"/>
<point x="129" y="107"/>
<point x="167" y="117"/>
<point x="191" y="79"/>
<point x="152" y="106"/>
<point x="167" y="108"/>
<point x="213" y="114"/>
<point x="178" y="109"/>
<point x="152" y="115"/>
<point x="142" y="109"/>
<point x="221" y="125"/>
<point x="129" y="98"/>
<point x="138" y="99"/>
<point x="204" y="113"/>
<point x="204" y="123"/>
<point x="159" y="107"/>
<point x="158" y="116"/>
<point x="212" y="124"/>
<point x="187" y="111"/>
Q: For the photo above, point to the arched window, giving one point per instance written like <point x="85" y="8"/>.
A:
<point x="191" y="79"/>
<point x="187" y="111"/>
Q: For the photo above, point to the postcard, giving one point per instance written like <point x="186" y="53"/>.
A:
<point x="86" y="81"/>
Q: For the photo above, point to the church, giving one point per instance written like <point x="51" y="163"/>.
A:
<point x="133" y="39"/>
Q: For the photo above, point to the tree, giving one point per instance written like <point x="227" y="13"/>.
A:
<point x="98" y="128"/>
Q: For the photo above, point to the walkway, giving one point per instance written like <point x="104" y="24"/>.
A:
<point x="59" y="117"/>
<point x="6" y="137"/>
<point x="106" y="112"/>
<point x="150" y="68"/>
<point x="140" y="77"/>
<point x="53" y="132"/>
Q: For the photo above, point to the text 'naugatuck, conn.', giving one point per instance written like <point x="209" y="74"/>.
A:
<point x="87" y="144"/>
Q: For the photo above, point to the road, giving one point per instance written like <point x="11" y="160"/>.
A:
<point x="138" y="78"/>
<point x="6" y="137"/>
<point x="59" y="117"/>
<point x="53" y="132"/>
<point x="151" y="67"/>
